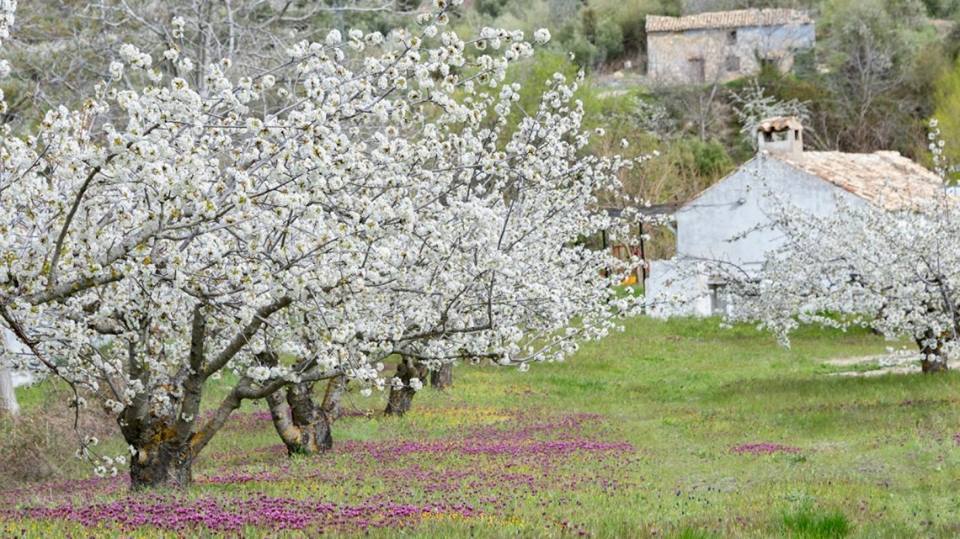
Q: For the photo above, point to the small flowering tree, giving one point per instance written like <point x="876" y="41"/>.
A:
<point x="299" y="223"/>
<point x="895" y="271"/>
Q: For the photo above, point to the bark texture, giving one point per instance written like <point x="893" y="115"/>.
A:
<point x="165" y="463"/>
<point x="442" y="378"/>
<point x="166" y="448"/>
<point x="167" y="442"/>
<point x="303" y="425"/>
<point x="401" y="399"/>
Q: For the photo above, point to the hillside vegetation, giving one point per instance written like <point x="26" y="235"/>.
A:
<point x="879" y="71"/>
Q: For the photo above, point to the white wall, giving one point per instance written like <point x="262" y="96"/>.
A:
<point x="674" y="293"/>
<point x="736" y="206"/>
<point x="10" y="342"/>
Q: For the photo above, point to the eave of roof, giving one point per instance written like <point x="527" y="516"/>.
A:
<point x="886" y="180"/>
<point x="728" y="19"/>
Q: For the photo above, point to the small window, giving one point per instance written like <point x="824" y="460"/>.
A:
<point x="732" y="37"/>
<point x="697" y="68"/>
<point x="719" y="298"/>
<point x="732" y="64"/>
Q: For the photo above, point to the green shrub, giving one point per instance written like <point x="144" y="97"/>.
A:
<point x="609" y="40"/>
<point x="710" y="157"/>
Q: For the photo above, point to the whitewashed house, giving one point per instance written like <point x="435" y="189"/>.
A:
<point x="726" y="221"/>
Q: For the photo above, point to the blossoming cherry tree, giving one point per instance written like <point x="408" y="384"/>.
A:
<point x="295" y="223"/>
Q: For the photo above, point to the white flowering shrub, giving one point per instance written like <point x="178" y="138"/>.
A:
<point x="297" y="222"/>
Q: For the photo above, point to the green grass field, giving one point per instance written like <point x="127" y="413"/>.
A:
<point x="670" y="429"/>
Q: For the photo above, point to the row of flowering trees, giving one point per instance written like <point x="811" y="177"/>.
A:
<point x="296" y="221"/>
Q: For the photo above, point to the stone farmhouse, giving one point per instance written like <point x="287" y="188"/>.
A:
<point x="724" y="45"/>
<point x="726" y="221"/>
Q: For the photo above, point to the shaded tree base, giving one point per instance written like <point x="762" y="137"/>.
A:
<point x="932" y="367"/>
<point x="401" y="399"/>
<point x="304" y="426"/>
<point x="163" y="466"/>
<point x="442" y="378"/>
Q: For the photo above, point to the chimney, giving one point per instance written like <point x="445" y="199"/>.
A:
<point x="782" y="135"/>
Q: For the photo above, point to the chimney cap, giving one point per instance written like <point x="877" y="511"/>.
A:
<point x="778" y="124"/>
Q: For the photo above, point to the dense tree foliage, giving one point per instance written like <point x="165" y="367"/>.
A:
<point x="304" y="219"/>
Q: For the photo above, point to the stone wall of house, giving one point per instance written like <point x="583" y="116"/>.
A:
<point x="721" y="55"/>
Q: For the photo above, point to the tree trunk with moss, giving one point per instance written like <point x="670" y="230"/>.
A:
<point x="165" y="448"/>
<point x="161" y="460"/>
<point x="401" y="399"/>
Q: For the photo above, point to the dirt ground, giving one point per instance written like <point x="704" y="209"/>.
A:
<point x="893" y="363"/>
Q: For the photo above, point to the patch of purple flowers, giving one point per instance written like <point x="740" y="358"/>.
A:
<point x="470" y="471"/>
<point x="763" y="448"/>
<point x="233" y="515"/>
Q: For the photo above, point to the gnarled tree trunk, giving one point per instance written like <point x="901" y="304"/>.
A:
<point x="336" y="387"/>
<point x="304" y="426"/>
<point x="932" y="356"/>
<point x="167" y="463"/>
<point x="401" y="398"/>
<point x="442" y="378"/>
<point x="165" y="447"/>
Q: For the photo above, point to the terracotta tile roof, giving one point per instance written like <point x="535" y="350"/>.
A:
<point x="885" y="179"/>
<point x="728" y="19"/>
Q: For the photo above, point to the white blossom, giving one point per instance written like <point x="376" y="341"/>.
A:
<point x="541" y="36"/>
<point x="333" y="37"/>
